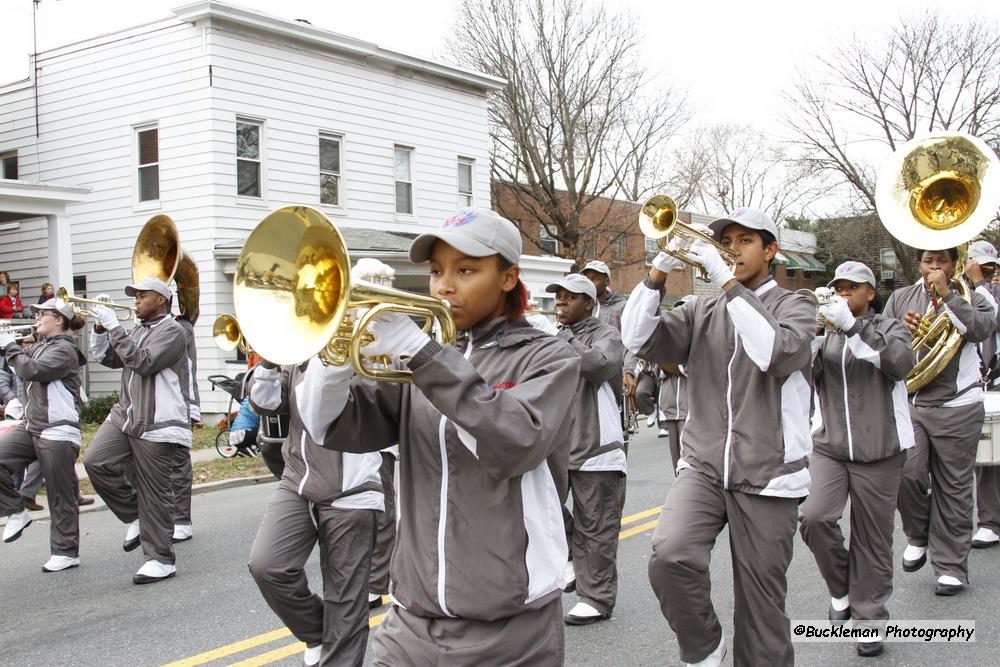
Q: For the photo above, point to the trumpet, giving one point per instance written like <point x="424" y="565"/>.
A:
<point x="294" y="299"/>
<point x="821" y="297"/>
<point x="100" y="300"/>
<point x="19" y="331"/>
<point x="658" y="221"/>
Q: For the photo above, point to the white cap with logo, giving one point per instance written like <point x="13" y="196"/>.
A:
<point x="856" y="272"/>
<point x="149" y="285"/>
<point x="62" y="307"/>
<point x="476" y="232"/>
<point x="983" y="252"/>
<point x="598" y="266"/>
<point x="574" y="282"/>
<point x="751" y="218"/>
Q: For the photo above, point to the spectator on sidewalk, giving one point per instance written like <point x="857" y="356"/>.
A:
<point x="10" y="303"/>
<point x="47" y="293"/>
<point x="4" y="281"/>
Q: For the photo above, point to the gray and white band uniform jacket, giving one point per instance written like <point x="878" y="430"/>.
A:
<point x="597" y="442"/>
<point x="154" y="394"/>
<point x="960" y="383"/>
<point x="673" y="395"/>
<point x="860" y="380"/>
<point x="483" y="436"/>
<point x="50" y="370"/>
<point x="748" y="354"/>
<point x="194" y="396"/>
<point x="989" y="347"/>
<point x="322" y="476"/>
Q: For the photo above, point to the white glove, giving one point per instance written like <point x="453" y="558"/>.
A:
<point x="542" y="323"/>
<point x="838" y="313"/>
<point x="6" y="338"/>
<point x="708" y="256"/>
<point x="105" y="317"/>
<point x="396" y="335"/>
<point x="13" y="409"/>
<point x="372" y="270"/>
<point x="666" y="263"/>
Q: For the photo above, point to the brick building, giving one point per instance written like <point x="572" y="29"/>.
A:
<point x="862" y="239"/>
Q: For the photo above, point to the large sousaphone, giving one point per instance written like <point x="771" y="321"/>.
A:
<point x="294" y="299"/>
<point x="938" y="191"/>
<point x="158" y="254"/>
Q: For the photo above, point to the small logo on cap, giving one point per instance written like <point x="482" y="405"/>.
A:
<point x="459" y="219"/>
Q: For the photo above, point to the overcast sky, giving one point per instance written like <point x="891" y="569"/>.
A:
<point x="734" y="57"/>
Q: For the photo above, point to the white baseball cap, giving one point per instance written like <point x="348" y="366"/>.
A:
<point x="599" y="266"/>
<point x="149" y="285"/>
<point x="574" y="282"/>
<point x="751" y="218"/>
<point x="983" y="252"/>
<point x="856" y="272"/>
<point x="476" y="232"/>
<point x="62" y="307"/>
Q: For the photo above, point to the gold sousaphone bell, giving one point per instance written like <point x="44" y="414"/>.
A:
<point x="658" y="220"/>
<point x="934" y="192"/>
<point x="294" y="299"/>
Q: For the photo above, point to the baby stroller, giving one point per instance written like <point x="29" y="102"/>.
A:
<point x="237" y="434"/>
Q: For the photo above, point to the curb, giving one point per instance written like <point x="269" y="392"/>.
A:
<point x="197" y="489"/>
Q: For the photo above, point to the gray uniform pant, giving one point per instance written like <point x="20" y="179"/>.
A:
<point x="761" y="533"/>
<point x="646" y="394"/>
<point x="592" y="532"/>
<point x="935" y="494"/>
<point x="181" y="479"/>
<point x="532" y="638"/>
<point x="57" y="458"/>
<point x="132" y="476"/>
<point x="865" y="570"/>
<point x="33" y="480"/>
<point x="988" y="497"/>
<point x="291" y="527"/>
<point x="385" y="539"/>
<point x="675" y="428"/>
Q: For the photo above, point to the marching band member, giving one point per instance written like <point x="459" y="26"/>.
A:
<point x="746" y="352"/>
<point x="982" y="264"/>
<point x="859" y="450"/>
<point x="483" y="437"/>
<point x="385" y="534"/>
<point x="935" y="495"/>
<point x="325" y="497"/>
<point x="643" y="382"/>
<point x="131" y="459"/>
<point x="182" y="475"/>
<point x="597" y="465"/>
<point x="673" y="410"/>
<point x="50" y="432"/>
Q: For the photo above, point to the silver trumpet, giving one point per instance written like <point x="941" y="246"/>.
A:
<point x="822" y="296"/>
<point x="19" y="331"/>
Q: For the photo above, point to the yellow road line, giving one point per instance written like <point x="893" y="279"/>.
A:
<point x="632" y="518"/>
<point x="637" y="529"/>
<point x="291" y="649"/>
<point x="230" y="649"/>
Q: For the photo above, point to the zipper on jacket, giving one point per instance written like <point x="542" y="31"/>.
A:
<point x="729" y="409"/>
<point x="847" y="410"/>
<point x="302" y="446"/>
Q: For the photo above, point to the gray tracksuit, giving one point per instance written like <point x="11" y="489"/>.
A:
<point x="746" y="447"/>
<point x="50" y="434"/>
<point x="324" y="496"/>
<point x="131" y="459"/>
<point x="988" y="477"/>
<point x="597" y="463"/>
<point x="609" y="307"/>
<point x="483" y="436"/>
<point x="154" y="403"/>
<point x="673" y="405"/>
<point x="182" y="476"/>
<point x="10" y="385"/>
<point x="858" y="452"/>
<point x="935" y="495"/>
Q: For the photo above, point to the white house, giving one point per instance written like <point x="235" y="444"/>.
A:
<point x="216" y="116"/>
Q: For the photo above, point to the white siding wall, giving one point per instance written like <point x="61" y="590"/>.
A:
<point x="92" y="94"/>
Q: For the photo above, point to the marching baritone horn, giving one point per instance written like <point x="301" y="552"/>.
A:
<point x="294" y="299"/>
<point x="934" y="192"/>
<point x="658" y="221"/>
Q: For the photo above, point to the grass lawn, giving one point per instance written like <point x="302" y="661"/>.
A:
<point x="202" y="437"/>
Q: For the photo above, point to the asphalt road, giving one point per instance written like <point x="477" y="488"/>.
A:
<point x="212" y="614"/>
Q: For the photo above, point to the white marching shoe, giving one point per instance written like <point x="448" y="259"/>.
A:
<point x="132" y="533"/>
<point x="312" y="655"/>
<point x="57" y="563"/>
<point x="16" y="523"/>
<point x="584" y="614"/>
<point x="985" y="538"/>
<point x="663" y="433"/>
<point x="914" y="558"/>
<point x="714" y="658"/>
<point x="153" y="571"/>
<point x="651" y="420"/>
<point x="182" y="532"/>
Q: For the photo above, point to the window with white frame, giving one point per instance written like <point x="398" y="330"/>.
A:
<point x="148" y="162"/>
<point x="329" y="169"/>
<point x="619" y="247"/>
<point x="248" y="156"/>
<point x="465" y="179"/>
<point x="887" y="263"/>
<point x="652" y="250"/>
<point x="549" y="243"/>
<point x="403" y="166"/>
<point x="8" y="165"/>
